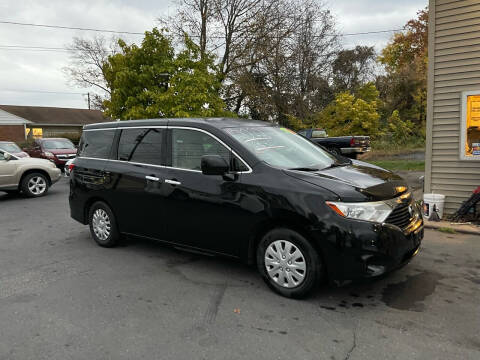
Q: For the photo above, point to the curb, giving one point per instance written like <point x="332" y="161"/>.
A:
<point x="458" y="229"/>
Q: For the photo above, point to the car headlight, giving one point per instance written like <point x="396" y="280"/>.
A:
<point x="49" y="154"/>
<point x="369" y="211"/>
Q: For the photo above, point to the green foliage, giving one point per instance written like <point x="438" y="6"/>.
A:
<point x="386" y="144"/>
<point x="447" y="230"/>
<point x="352" y="114"/>
<point x="151" y="81"/>
<point x="401" y="129"/>
<point x="295" y="123"/>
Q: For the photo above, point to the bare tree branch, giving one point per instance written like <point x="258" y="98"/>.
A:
<point x="87" y="57"/>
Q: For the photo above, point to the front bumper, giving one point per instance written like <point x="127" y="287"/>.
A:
<point x="366" y="250"/>
<point x="355" y="150"/>
<point x="55" y="175"/>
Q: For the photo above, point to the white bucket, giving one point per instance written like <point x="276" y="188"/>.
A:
<point x="433" y="202"/>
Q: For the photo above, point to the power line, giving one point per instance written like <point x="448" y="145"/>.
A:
<point x="371" y="32"/>
<point x="141" y="33"/>
<point x="43" y="91"/>
<point x="70" y="28"/>
<point x="33" y="48"/>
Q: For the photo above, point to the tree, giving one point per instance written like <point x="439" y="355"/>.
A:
<point x="151" y="81"/>
<point x="87" y="58"/>
<point x="222" y="27"/>
<point x="290" y="75"/>
<point x="405" y="59"/>
<point x="401" y="130"/>
<point x="353" y="68"/>
<point x="273" y="55"/>
<point x="349" y="114"/>
<point x="410" y="47"/>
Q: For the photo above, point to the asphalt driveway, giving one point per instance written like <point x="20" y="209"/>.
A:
<point x="63" y="297"/>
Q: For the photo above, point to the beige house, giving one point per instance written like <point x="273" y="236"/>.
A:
<point x="452" y="163"/>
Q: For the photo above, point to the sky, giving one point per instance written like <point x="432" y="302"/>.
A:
<point x="36" y="78"/>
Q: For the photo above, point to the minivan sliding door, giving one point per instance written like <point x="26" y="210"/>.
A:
<point x="137" y="182"/>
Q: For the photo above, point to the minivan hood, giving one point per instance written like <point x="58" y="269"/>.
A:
<point x="358" y="181"/>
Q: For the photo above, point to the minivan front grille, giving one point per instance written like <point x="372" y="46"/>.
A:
<point x="400" y="216"/>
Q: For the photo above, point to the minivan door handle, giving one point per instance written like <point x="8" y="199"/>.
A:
<point x="152" y="178"/>
<point x="173" y="182"/>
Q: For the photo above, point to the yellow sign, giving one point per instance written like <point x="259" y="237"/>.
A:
<point x="473" y="110"/>
<point x="472" y="144"/>
<point x="36" y="132"/>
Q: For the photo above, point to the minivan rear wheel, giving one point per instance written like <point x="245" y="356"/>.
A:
<point x="288" y="263"/>
<point x="103" y="225"/>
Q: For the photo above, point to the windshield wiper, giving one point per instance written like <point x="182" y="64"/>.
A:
<point x="304" y="169"/>
<point x="337" y="164"/>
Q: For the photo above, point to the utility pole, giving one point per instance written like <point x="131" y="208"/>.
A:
<point x="88" y="97"/>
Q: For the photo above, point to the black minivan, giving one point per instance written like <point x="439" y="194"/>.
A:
<point x="245" y="189"/>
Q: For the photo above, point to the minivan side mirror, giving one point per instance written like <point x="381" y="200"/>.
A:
<point x="214" y="165"/>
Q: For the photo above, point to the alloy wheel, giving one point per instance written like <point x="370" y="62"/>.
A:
<point x="37" y="185"/>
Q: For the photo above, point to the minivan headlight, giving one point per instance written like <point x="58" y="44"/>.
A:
<point x="370" y="211"/>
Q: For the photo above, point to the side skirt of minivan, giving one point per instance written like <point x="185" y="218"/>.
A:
<point x="181" y="247"/>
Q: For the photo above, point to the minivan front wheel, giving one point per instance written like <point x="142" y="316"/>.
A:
<point x="103" y="226"/>
<point x="288" y="263"/>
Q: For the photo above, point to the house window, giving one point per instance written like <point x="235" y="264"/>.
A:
<point x="470" y="127"/>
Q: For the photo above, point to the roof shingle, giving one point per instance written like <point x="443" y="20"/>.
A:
<point x="56" y="116"/>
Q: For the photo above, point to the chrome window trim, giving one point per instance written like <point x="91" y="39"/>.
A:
<point x="136" y="163"/>
<point x="130" y="127"/>
<point x="220" y="141"/>
<point x="249" y="171"/>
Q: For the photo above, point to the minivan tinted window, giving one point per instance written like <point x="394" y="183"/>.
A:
<point x="96" y="144"/>
<point x="188" y="147"/>
<point x="141" y="145"/>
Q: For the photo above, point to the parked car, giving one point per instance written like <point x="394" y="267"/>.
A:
<point x="349" y="146"/>
<point x="69" y="165"/>
<point x="247" y="190"/>
<point x="59" y="150"/>
<point x="13" y="149"/>
<point x="33" y="177"/>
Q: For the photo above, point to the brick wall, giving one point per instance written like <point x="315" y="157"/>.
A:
<point x="12" y="133"/>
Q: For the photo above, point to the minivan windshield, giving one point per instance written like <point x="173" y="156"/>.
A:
<point x="281" y="147"/>
<point x="58" y="144"/>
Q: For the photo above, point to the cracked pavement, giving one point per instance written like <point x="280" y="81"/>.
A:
<point x="63" y="297"/>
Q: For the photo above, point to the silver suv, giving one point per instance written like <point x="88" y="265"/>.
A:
<point x="31" y="176"/>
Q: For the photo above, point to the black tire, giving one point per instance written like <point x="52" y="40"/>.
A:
<point x="113" y="237"/>
<point x="40" y="190"/>
<point x="335" y="151"/>
<point x="313" y="263"/>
